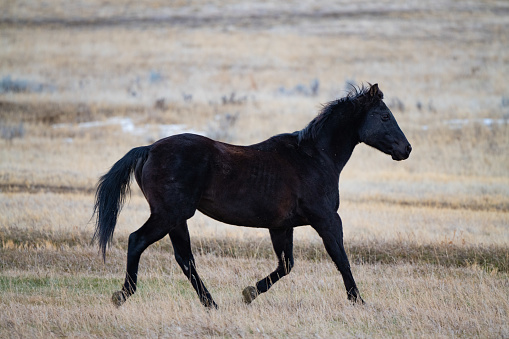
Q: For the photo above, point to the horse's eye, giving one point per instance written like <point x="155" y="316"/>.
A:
<point x="386" y="116"/>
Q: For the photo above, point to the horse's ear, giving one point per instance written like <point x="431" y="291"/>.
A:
<point x="373" y="90"/>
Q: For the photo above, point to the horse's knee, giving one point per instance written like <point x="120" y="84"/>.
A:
<point x="180" y="262"/>
<point x="184" y="263"/>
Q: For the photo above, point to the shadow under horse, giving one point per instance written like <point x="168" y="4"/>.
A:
<point x="286" y="181"/>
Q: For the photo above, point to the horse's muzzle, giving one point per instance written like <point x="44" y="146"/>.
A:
<point x="401" y="153"/>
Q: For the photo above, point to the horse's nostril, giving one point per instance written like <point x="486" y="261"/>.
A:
<point x="409" y="148"/>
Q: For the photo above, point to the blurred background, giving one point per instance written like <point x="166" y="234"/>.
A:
<point x="83" y="82"/>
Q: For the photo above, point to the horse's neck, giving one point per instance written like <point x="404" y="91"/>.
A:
<point x="338" y="144"/>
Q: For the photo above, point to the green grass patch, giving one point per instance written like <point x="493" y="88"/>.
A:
<point x="50" y="284"/>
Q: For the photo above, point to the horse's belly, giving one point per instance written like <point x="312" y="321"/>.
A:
<point x="246" y="212"/>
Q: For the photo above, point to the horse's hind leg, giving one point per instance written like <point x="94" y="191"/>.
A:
<point x="282" y="241"/>
<point x="153" y="230"/>
<point x="182" y="247"/>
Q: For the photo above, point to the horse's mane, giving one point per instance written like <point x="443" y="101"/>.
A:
<point x="336" y="109"/>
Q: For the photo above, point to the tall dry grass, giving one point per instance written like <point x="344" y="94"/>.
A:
<point x="67" y="294"/>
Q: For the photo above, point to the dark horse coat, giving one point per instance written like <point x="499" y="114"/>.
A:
<point x="286" y="181"/>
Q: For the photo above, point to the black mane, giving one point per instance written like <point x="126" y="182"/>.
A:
<point x="335" y="109"/>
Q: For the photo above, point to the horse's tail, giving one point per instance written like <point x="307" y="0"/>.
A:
<point x="110" y="195"/>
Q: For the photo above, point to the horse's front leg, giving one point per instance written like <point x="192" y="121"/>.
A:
<point x="331" y="231"/>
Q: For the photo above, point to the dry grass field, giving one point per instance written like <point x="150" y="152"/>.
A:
<point x="83" y="82"/>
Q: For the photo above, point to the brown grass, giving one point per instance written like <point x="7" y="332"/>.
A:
<point x="428" y="237"/>
<point x="66" y="293"/>
<point x="447" y="253"/>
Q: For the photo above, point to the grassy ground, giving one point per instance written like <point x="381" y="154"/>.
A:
<point x="428" y="238"/>
<point x="66" y="293"/>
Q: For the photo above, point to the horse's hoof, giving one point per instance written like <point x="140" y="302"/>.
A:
<point x="359" y="301"/>
<point x="250" y="293"/>
<point x="212" y="305"/>
<point x="209" y="304"/>
<point x="354" y="296"/>
<point x="356" y="300"/>
<point x="118" y="298"/>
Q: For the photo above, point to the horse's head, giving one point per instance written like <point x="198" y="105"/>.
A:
<point x="379" y="129"/>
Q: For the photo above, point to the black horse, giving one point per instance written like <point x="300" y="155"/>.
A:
<point x="286" y="181"/>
